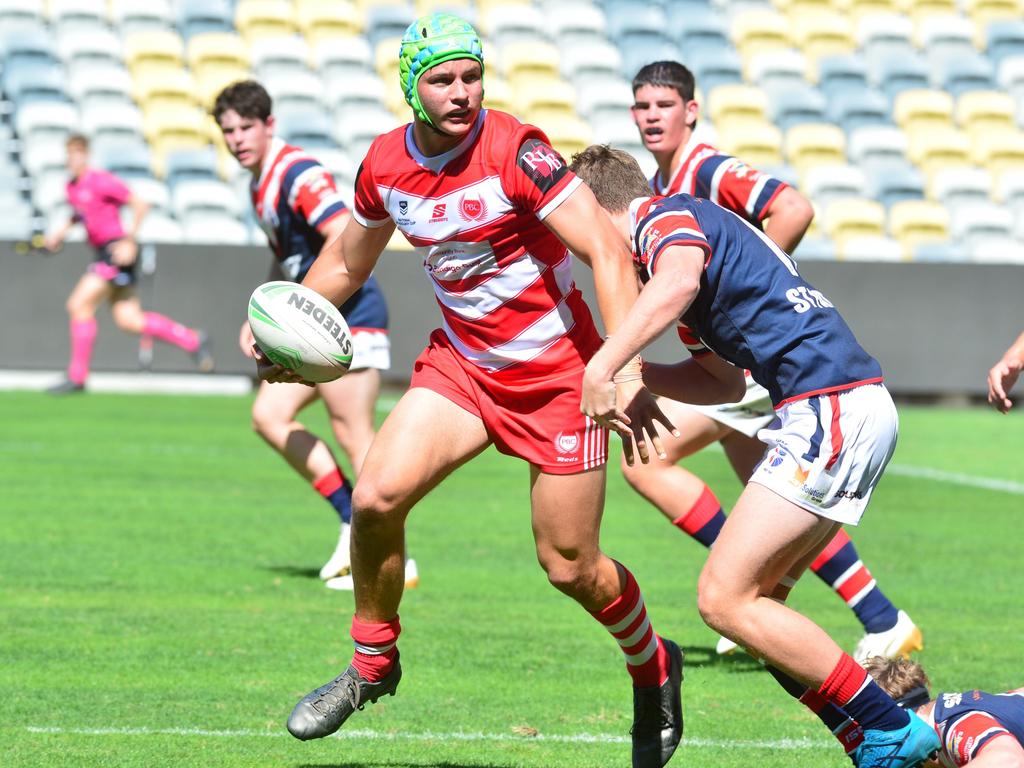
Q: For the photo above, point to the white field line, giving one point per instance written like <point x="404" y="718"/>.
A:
<point x="579" y="738"/>
<point x="957" y="478"/>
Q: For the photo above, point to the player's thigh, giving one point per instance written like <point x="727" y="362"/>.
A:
<point x="351" y="399"/>
<point x="280" y="403"/>
<point x="744" y="453"/>
<point x="126" y="310"/>
<point x="696" y="431"/>
<point x="423" y="439"/>
<point x="764" y="538"/>
<point x="89" y="292"/>
<point x="566" y="512"/>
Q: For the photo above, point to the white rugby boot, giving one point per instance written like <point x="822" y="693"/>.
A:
<point x="900" y="641"/>
<point x="344" y="583"/>
<point x="340" y="563"/>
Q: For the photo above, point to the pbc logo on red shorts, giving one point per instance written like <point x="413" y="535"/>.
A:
<point x="542" y="164"/>
<point x="567" y="442"/>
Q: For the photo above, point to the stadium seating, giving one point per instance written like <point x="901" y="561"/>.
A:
<point x="97" y="46"/>
<point x="262" y="18"/>
<point x="757" y="142"/>
<point x="815" y="143"/>
<point x="855" y="107"/>
<point x="870" y="248"/>
<point x="854" y="217"/>
<point x="892" y="182"/>
<point x="959" y="185"/>
<point x="773" y="69"/>
<point x="923" y="109"/>
<point x="199" y="16"/>
<point x="272" y="56"/>
<point x="153" y="49"/>
<point x="826" y="182"/>
<point x="795" y="105"/>
<point x="934" y="147"/>
<point x="327" y="19"/>
<point x="729" y="103"/>
<point x="81" y="16"/>
<point x="141" y="15"/>
<point x="913" y="222"/>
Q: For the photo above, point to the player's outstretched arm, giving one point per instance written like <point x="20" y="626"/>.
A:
<point x="345" y="262"/>
<point x="703" y="380"/>
<point x="1004" y="374"/>
<point x="788" y="218"/>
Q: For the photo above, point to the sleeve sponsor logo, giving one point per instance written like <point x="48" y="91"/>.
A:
<point x="542" y="164"/>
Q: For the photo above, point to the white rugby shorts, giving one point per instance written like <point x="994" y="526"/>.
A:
<point x="827" y="452"/>
<point x="750" y="415"/>
<point x="371" y="348"/>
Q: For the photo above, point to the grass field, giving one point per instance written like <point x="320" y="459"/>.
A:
<point x="159" y="604"/>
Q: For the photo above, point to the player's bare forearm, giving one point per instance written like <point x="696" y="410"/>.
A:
<point x="139" y="210"/>
<point x="347" y="261"/>
<point x="789" y="216"/>
<point x="710" y="381"/>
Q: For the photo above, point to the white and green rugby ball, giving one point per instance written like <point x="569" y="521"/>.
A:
<point x="300" y="330"/>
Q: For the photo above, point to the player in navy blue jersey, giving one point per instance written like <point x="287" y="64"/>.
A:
<point x="983" y="730"/>
<point x="299" y="208"/>
<point x="739" y="303"/>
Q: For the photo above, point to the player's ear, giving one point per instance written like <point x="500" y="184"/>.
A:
<point x="270" y="122"/>
<point x="692" y="112"/>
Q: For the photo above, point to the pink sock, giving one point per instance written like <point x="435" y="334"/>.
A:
<point x="83" y="336"/>
<point x="162" y="327"/>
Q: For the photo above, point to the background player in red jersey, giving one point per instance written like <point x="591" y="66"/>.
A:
<point x="493" y="212"/>
<point x="979" y="729"/>
<point x="666" y="115"/>
<point x="299" y="207"/>
<point x="1004" y="375"/>
<point x="96" y="196"/>
<point x="740" y="304"/>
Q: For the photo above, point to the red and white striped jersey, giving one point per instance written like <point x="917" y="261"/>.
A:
<point x="475" y="215"/>
<point x="708" y="173"/>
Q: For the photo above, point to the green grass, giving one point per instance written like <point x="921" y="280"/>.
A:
<point x="159" y="604"/>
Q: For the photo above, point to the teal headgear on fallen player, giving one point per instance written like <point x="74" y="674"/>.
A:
<point x="431" y="40"/>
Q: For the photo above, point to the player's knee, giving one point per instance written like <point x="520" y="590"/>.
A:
<point x="375" y="502"/>
<point x="715" y="602"/>
<point x="640" y="477"/>
<point x="569" y="576"/>
<point x="264" y="417"/>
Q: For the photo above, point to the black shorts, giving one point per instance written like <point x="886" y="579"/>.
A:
<point x="104" y="266"/>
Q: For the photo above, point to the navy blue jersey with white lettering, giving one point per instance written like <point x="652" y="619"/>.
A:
<point x="295" y="197"/>
<point x="753" y="308"/>
<point x="967" y="721"/>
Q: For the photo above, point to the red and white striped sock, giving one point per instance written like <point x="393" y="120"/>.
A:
<point x="376" y="647"/>
<point x="626" y="618"/>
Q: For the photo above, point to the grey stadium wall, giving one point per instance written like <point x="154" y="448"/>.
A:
<point x="935" y="328"/>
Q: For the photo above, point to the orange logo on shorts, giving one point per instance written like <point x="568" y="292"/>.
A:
<point x="567" y="443"/>
<point x="800" y="476"/>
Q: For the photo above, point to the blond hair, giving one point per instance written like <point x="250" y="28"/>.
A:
<point x="897" y="677"/>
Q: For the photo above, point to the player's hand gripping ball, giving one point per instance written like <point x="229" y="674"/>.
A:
<point x="300" y="330"/>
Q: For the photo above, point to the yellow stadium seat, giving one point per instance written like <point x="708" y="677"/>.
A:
<point x="385" y="58"/>
<point x="365" y="5"/>
<point x="756" y="142"/>
<point x="483" y="6"/>
<point x="498" y="94"/>
<point x="936" y="147"/>
<point x="170" y="87"/>
<point x="757" y="30"/>
<point x="568" y="135"/>
<point x="212" y="80"/>
<point x="217" y="49"/>
<point x="923" y="108"/>
<point x="323" y="19"/>
<point x="546" y="99"/>
<point x="264" y="18"/>
<point x="736" y="102"/>
<point x="796" y="7"/>
<point x="820" y="34"/>
<point x="161" y="49"/>
<point x="918" y="9"/>
<point x="985" y="111"/>
<point x="529" y="59"/>
<point x="423" y="7"/>
<point x="814" y="144"/>
<point x="854" y="217"/>
<point x="913" y="222"/>
<point x="857" y="9"/>
<point x="982" y="12"/>
<point x="998" y="150"/>
<point x="168" y="130"/>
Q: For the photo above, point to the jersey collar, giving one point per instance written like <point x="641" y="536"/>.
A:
<point x="437" y="163"/>
<point x="277" y="145"/>
<point x="638" y="209"/>
<point x="696" y="139"/>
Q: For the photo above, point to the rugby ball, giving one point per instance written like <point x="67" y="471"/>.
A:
<point x="300" y="330"/>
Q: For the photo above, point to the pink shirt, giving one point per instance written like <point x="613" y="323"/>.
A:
<point x="96" y="197"/>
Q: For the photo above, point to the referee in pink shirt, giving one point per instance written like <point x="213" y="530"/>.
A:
<point x="96" y="198"/>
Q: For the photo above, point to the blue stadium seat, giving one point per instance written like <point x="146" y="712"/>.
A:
<point x="77" y="16"/>
<point x="962" y="72"/>
<point x="133" y="16"/>
<point x="101" y="84"/>
<point x="826" y="183"/>
<point x="575" y="22"/>
<point x="295" y="90"/>
<point x="308" y="128"/>
<point x="637" y="51"/>
<point x="190" y="164"/>
<point x="279" y="56"/>
<point x="956" y="186"/>
<point x="856" y="107"/>
<point x="13" y="12"/>
<point x="945" y="35"/>
<point x="815" y="249"/>
<point x="27" y="81"/>
<point x="98" y="46"/>
<point x="385" y="21"/>
<point x="892" y="182"/>
<point x="776" y="68"/>
<point x="696" y="24"/>
<point x="128" y="159"/>
<point x="628" y="18"/>
<point x="1005" y="38"/>
<point x="940" y="252"/>
<point x="897" y="73"/>
<point x="112" y="120"/>
<point x="28" y="45"/>
<point x="583" y="60"/>
<point x="207" y="196"/>
<point x="836" y="73"/>
<point x="885" y="34"/>
<point x="713" y="67"/>
<point x="604" y="98"/>
<point x="343" y="56"/>
<point x="196" y="17"/>
<point x="795" y="105"/>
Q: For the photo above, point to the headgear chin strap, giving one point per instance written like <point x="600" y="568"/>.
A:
<point x="429" y="41"/>
<point x="914" y="698"/>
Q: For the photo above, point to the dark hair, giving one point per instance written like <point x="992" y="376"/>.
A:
<point x="247" y="97"/>
<point x="613" y="175"/>
<point x="77" y="140"/>
<point x="667" y="74"/>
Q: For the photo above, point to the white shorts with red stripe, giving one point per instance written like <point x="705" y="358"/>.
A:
<point x="749" y="416"/>
<point x="828" y="452"/>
